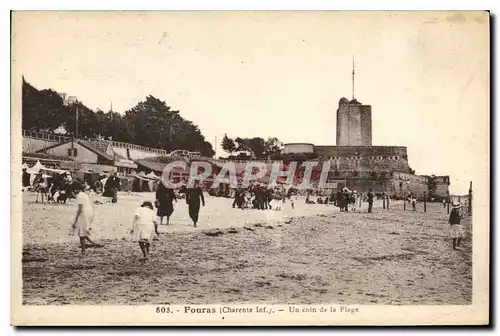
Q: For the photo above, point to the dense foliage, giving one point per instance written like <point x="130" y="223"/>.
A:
<point x="257" y="147"/>
<point x="150" y="123"/>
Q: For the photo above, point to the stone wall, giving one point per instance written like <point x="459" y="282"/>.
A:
<point x="442" y="185"/>
<point x="354" y="126"/>
<point x="298" y="148"/>
<point x="365" y="158"/>
<point x="366" y="125"/>
<point x="343" y="123"/>
<point x="31" y="145"/>
<point x="405" y="184"/>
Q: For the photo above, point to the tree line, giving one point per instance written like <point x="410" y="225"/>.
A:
<point x="151" y="123"/>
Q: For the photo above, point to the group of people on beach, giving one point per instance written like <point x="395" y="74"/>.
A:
<point x="58" y="188"/>
<point x="50" y="189"/>
<point x="145" y="223"/>
<point x="346" y="200"/>
<point x="260" y="197"/>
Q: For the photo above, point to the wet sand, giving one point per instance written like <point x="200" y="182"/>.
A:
<point x="311" y="254"/>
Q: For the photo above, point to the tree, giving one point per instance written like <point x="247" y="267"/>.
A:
<point x="258" y="147"/>
<point x="241" y="144"/>
<point x="228" y="144"/>
<point x="42" y="110"/>
<point x="154" y="124"/>
<point x="273" y="148"/>
<point x="30" y="99"/>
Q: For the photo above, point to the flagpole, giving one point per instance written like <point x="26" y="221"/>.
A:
<point x="353" y="77"/>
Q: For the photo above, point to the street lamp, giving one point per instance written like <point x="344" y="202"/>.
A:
<point x="71" y="100"/>
<point x="404" y="194"/>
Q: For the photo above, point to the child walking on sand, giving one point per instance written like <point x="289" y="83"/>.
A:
<point x="144" y="227"/>
<point x="455" y="226"/>
<point x="82" y="226"/>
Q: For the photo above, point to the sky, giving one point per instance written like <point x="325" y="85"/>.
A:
<point x="281" y="74"/>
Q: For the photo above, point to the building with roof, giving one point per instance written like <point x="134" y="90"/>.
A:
<point x="92" y="155"/>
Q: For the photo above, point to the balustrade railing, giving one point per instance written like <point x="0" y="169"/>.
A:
<point x="118" y="144"/>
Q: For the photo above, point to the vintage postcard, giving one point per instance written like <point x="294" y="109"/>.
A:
<point x="250" y="168"/>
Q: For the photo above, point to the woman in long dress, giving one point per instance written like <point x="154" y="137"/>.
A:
<point x="164" y="199"/>
<point x="42" y="187"/>
<point x="26" y="178"/>
<point x="144" y="227"/>
<point x="193" y="198"/>
<point x="82" y="225"/>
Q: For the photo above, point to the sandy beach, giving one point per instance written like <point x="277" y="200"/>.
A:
<point x="309" y="254"/>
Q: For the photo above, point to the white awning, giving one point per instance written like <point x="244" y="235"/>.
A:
<point x="126" y="164"/>
<point x="59" y="171"/>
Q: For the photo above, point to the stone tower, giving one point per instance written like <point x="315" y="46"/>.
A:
<point x="354" y="123"/>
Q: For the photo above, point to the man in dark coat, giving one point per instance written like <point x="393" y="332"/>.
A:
<point x="259" y="197"/>
<point x="370" y="200"/>
<point x="345" y="200"/>
<point x="338" y="199"/>
<point x="239" y="198"/>
<point x="111" y="187"/>
<point x="193" y="198"/>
